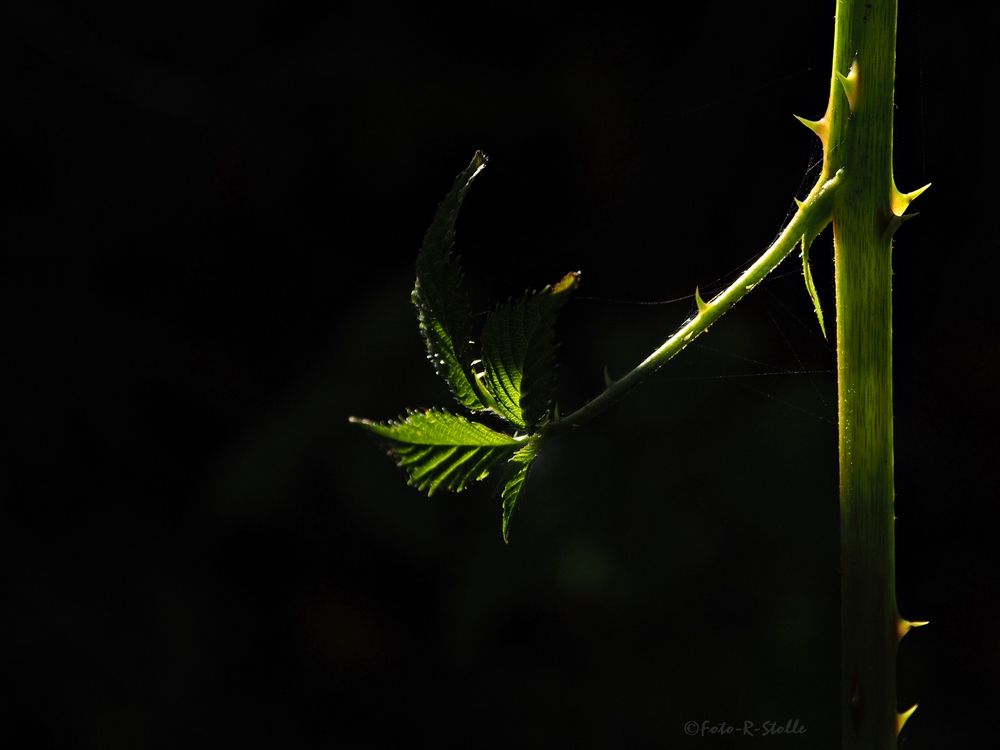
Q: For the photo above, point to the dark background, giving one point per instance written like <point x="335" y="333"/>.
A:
<point x="208" y="244"/>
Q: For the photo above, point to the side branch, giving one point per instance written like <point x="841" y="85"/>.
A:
<point x="812" y="217"/>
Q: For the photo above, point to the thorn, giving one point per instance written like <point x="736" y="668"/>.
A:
<point x="850" y="85"/>
<point x="897" y="221"/>
<point x="799" y="203"/>
<point x="898" y="201"/>
<point x="819" y="127"/>
<point x="918" y="192"/>
<point x="905" y="626"/>
<point x="902" y="717"/>
<point x="702" y="304"/>
<point x="556" y="411"/>
<point x="607" y="378"/>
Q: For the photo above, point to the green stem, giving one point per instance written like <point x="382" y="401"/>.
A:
<point x="860" y="142"/>
<point x="868" y="599"/>
<point x="813" y="215"/>
<point x="856" y="190"/>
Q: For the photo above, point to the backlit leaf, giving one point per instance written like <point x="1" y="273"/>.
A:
<point x="515" y="485"/>
<point x="442" y="303"/>
<point x="440" y="450"/>
<point x="518" y="366"/>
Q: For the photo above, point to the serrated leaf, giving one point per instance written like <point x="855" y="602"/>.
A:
<point x="440" y="450"/>
<point x="514" y="486"/>
<point x="442" y="303"/>
<point x="518" y="376"/>
<point x="810" y="285"/>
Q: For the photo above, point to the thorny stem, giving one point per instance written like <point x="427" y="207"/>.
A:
<point x="866" y="209"/>
<point x="859" y="119"/>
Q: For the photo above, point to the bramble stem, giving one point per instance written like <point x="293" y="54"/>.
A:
<point x="857" y="192"/>
<point x="860" y="121"/>
<point x="813" y="215"/>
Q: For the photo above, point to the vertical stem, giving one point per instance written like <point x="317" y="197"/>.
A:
<point x="861" y="142"/>
<point x="868" y="597"/>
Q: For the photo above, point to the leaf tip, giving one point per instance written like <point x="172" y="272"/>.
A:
<point x="367" y="424"/>
<point x="567" y="283"/>
<point x="515" y="484"/>
<point x="478" y="164"/>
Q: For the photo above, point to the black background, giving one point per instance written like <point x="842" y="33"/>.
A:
<point x="208" y="243"/>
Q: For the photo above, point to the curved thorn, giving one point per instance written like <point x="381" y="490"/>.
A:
<point x="901" y="718"/>
<point x="897" y="221"/>
<point x="702" y="304"/>
<point x="899" y="201"/>
<point x="819" y="127"/>
<point x="850" y="85"/>
<point x="905" y="626"/>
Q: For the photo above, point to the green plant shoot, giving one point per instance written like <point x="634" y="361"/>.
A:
<point x="510" y="372"/>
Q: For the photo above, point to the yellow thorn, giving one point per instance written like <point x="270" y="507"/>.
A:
<point x="901" y="718"/>
<point x="850" y="85"/>
<point x="917" y="193"/>
<point x="899" y="201"/>
<point x="819" y="127"/>
<point x="702" y="304"/>
<point x="904" y="626"/>
<point x="799" y="203"/>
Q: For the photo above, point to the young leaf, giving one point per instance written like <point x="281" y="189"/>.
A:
<point x="440" y="450"/>
<point x="519" y="355"/>
<point x="442" y="303"/>
<point x="512" y="489"/>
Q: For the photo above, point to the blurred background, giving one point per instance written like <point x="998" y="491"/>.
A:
<point x="208" y="248"/>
